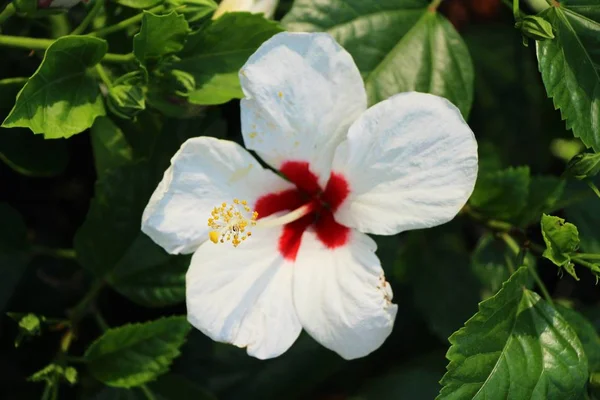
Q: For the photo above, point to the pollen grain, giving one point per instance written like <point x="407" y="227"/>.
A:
<point x="231" y="222"/>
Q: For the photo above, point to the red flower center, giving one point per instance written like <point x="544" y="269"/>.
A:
<point x="325" y="203"/>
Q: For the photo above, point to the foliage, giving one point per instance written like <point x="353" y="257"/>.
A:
<point x="96" y="98"/>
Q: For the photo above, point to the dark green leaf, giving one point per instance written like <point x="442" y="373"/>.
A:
<point x="61" y="99"/>
<point x="584" y="165"/>
<point x="175" y="387"/>
<point x="561" y="238"/>
<point x="586" y="333"/>
<point x="436" y="273"/>
<point x="134" y="354"/>
<point x="399" y="46"/>
<point x="544" y="193"/>
<point x="492" y="261"/>
<point x="569" y="67"/>
<point x="159" y="36"/>
<point x="214" y="55"/>
<point x="586" y="216"/>
<point x="515" y="347"/>
<point x="502" y="194"/>
<point x="110" y="146"/>
<point x="14" y="252"/>
<point x="112" y="246"/>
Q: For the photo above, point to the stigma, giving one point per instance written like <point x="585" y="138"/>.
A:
<point x="231" y="222"/>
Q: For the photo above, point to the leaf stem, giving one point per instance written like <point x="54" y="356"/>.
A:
<point x="30" y="43"/>
<point x="490" y="223"/>
<point x="68" y="254"/>
<point x="584" y="263"/>
<point x="516" y="10"/>
<point x="102" y="324"/>
<point x="593" y="187"/>
<point x="125" y="23"/>
<point x="433" y="6"/>
<point x="147" y="392"/>
<point x="512" y="244"/>
<point x="79" y="311"/>
<point x="102" y="73"/>
<point x="588" y="256"/>
<point x="88" y="18"/>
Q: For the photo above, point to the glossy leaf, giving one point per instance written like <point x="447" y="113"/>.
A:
<point x="399" y="46"/>
<point x="569" y="66"/>
<point x="159" y="36"/>
<point x="134" y="354"/>
<point x="61" y="99"/>
<point x="214" y="55"/>
<point x="543" y="196"/>
<point x="518" y="347"/>
<point x="586" y="333"/>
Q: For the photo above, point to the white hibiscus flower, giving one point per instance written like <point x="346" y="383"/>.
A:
<point x="301" y="257"/>
<point x="266" y="7"/>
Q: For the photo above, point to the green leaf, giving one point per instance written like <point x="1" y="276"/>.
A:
<point x="139" y="3"/>
<point x="20" y="149"/>
<point x="399" y="46"/>
<point x="134" y="354"/>
<point x="214" y="55"/>
<point x="586" y="333"/>
<point x="543" y="196"/>
<point x="569" y="67"/>
<point x="61" y="99"/>
<point x="111" y="245"/>
<point x="436" y="273"/>
<point x="159" y="36"/>
<point x="535" y="27"/>
<point x="584" y="165"/>
<point x="515" y="347"/>
<point x="502" y="194"/>
<point x="126" y="101"/>
<point x="561" y="238"/>
<point x="14" y="252"/>
<point x="176" y="387"/>
<point x="52" y="373"/>
<point x="110" y="146"/>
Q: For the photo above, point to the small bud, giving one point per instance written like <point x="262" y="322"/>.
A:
<point x="584" y="165"/>
<point x="126" y="101"/>
<point x="535" y="27"/>
<point x="180" y="82"/>
<point x="266" y="7"/>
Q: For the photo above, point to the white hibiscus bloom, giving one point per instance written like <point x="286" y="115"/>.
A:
<point x="301" y="258"/>
<point x="266" y="7"/>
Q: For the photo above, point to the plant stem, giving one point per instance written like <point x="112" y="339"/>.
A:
<point x="588" y="256"/>
<point x="490" y="223"/>
<point x="593" y="187"/>
<point x="8" y="12"/>
<point x="147" y="392"/>
<point x="42" y="44"/>
<point x="79" y="311"/>
<point x="433" y="6"/>
<point x="118" y="58"/>
<point x="68" y="254"/>
<point x="88" y="18"/>
<point x="512" y="244"/>
<point x="516" y="9"/>
<point x="540" y="284"/>
<point x="101" y="321"/>
<point x="584" y="263"/>
<point x="102" y="73"/>
<point x="125" y="23"/>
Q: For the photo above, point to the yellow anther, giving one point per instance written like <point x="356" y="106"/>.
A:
<point x="228" y="223"/>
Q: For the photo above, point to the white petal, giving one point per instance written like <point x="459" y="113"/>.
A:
<point x="266" y="7"/>
<point x="410" y="162"/>
<point x="341" y="296"/>
<point x="204" y="173"/>
<point x="302" y="91"/>
<point x="243" y="295"/>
